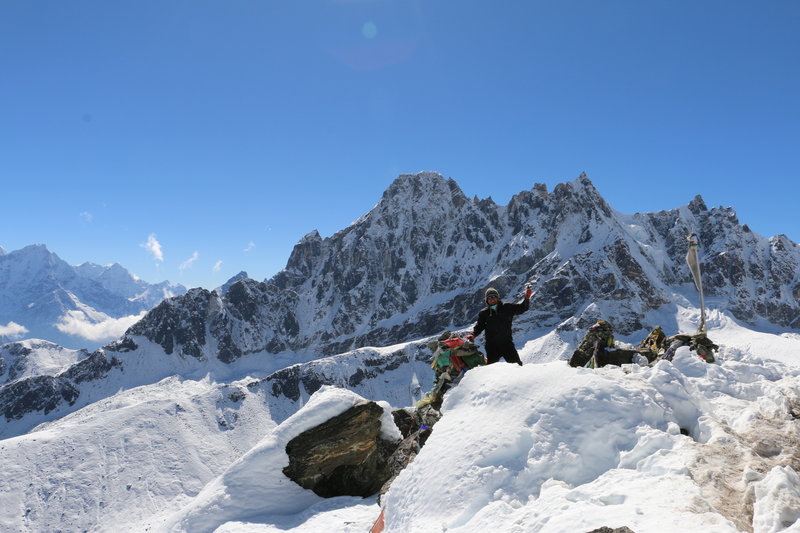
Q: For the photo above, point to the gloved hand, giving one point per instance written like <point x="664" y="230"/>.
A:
<point x="470" y="337"/>
<point x="528" y="292"/>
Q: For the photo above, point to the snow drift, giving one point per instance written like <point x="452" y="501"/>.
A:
<point x="680" y="445"/>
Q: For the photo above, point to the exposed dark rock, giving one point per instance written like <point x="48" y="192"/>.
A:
<point x="404" y="420"/>
<point x="344" y="456"/>
<point x="606" y="529"/>
<point x="92" y="368"/>
<point x="223" y="290"/>
<point x="39" y="393"/>
<point x="178" y="322"/>
<point x="20" y="362"/>
<point x="123" y="345"/>
<point x="43" y="393"/>
<point x="422" y="422"/>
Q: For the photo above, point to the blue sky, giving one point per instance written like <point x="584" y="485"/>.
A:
<point x="225" y="131"/>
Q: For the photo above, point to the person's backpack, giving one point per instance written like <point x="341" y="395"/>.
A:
<point x="451" y="355"/>
<point x="453" y="351"/>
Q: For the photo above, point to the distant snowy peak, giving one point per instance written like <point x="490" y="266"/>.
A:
<point x="118" y="280"/>
<point x="111" y="275"/>
<point x="32" y="264"/>
<point x="76" y="306"/>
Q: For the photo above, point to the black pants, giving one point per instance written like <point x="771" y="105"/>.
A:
<point x="506" y="350"/>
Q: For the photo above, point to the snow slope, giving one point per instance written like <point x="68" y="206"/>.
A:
<point x="127" y="457"/>
<point x="548" y="448"/>
<point x="544" y="447"/>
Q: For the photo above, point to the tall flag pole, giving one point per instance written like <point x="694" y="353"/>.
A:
<point x="694" y="266"/>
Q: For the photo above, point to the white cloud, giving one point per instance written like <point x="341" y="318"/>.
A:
<point x="217" y="266"/>
<point x="188" y="263"/>
<point x="12" y="330"/>
<point x="154" y="247"/>
<point x="78" y="324"/>
<point x="250" y="246"/>
<point x="87" y="216"/>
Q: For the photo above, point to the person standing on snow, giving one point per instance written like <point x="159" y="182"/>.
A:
<point x="495" y="319"/>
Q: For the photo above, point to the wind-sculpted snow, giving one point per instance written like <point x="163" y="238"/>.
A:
<point x="123" y="459"/>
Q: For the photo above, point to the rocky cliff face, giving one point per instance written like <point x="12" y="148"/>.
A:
<point x="420" y="260"/>
<point x="39" y="376"/>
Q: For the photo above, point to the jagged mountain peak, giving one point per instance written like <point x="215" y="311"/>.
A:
<point x="580" y="190"/>
<point x="782" y="242"/>
<point x="108" y="273"/>
<point x="311" y="236"/>
<point x="417" y="179"/>
<point x="421" y="188"/>
<point x="697" y="205"/>
<point x="34" y="251"/>
<point x="33" y="263"/>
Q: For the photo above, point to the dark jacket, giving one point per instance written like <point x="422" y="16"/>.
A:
<point x="497" y="322"/>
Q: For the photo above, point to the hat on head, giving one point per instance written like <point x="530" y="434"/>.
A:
<point x="491" y="292"/>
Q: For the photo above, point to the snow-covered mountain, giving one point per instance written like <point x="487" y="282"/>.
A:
<point x="419" y="261"/>
<point x="41" y="296"/>
<point x="181" y="420"/>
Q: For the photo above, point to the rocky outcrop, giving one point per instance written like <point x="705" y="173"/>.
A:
<point x="40" y="377"/>
<point x="45" y="393"/>
<point x="38" y="393"/>
<point x="178" y="323"/>
<point x="344" y="456"/>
